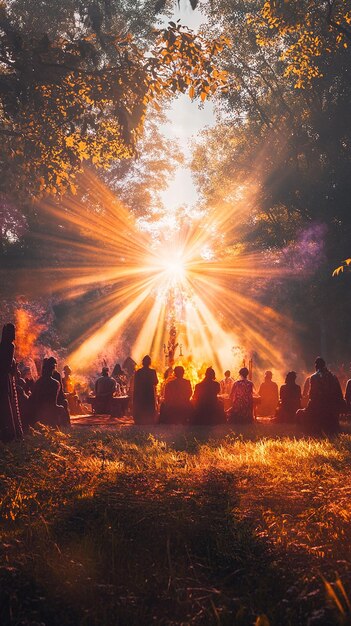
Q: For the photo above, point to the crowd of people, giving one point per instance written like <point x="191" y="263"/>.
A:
<point x="51" y="398"/>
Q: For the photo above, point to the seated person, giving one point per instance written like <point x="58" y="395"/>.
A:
<point x="74" y="404"/>
<point x="105" y="387"/>
<point x="226" y="386"/>
<point x="44" y="399"/>
<point x="61" y="399"/>
<point x="176" y="407"/>
<point x="120" y="377"/>
<point x="268" y="393"/>
<point x="325" y="402"/>
<point x="241" y="397"/>
<point x="290" y="399"/>
<point x="28" y="379"/>
<point x="207" y="407"/>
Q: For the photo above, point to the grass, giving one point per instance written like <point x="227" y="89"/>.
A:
<point x="102" y="528"/>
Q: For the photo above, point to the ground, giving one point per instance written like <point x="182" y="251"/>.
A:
<point x="107" y="526"/>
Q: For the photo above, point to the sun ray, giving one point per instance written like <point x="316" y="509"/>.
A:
<point x="191" y="269"/>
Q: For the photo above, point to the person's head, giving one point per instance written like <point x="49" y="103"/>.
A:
<point x="105" y="371"/>
<point x="210" y="373"/>
<point x="268" y="375"/>
<point x="8" y="333"/>
<point x="290" y="378"/>
<point x="67" y="370"/>
<point x="168" y="373"/>
<point x="146" y="361"/>
<point x="48" y="366"/>
<point x="51" y="362"/>
<point x="227" y="374"/>
<point x="179" y="371"/>
<point x="244" y="372"/>
<point x="319" y="363"/>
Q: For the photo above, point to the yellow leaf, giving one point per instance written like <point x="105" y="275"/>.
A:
<point x="191" y="92"/>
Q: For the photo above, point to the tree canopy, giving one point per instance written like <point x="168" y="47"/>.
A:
<point x="79" y="91"/>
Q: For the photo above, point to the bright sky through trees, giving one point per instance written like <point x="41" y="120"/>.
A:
<point x="185" y="121"/>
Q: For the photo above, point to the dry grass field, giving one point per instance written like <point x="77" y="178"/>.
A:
<point x="104" y="528"/>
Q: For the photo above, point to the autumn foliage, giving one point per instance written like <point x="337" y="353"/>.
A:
<point x="69" y="100"/>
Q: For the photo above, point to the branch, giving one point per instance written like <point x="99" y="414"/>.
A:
<point x="334" y="24"/>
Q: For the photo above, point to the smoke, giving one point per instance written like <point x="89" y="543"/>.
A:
<point x="307" y="253"/>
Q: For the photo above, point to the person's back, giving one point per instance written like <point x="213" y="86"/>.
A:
<point x="44" y="400"/>
<point x="290" y="399"/>
<point x="241" y="397"/>
<point x="269" y="395"/>
<point x="207" y="409"/>
<point x="105" y="386"/>
<point x="144" y="393"/>
<point x="325" y="401"/>
<point x="176" y="407"/>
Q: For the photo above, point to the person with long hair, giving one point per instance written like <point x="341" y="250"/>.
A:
<point x="241" y="397"/>
<point x="10" y="417"/>
<point x="290" y="399"/>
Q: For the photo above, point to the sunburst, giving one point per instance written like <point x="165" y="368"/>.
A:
<point x="192" y="257"/>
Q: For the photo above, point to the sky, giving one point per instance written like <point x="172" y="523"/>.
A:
<point x="185" y="121"/>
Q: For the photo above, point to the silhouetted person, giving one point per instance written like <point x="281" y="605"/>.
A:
<point x="268" y="393"/>
<point x="45" y="397"/>
<point x="105" y="387"/>
<point x="144" y="393"/>
<point x="28" y="379"/>
<point x="74" y="404"/>
<point x="120" y="377"/>
<point x="177" y="408"/>
<point x="10" y="417"/>
<point x="61" y="400"/>
<point x="226" y="384"/>
<point x="306" y="392"/>
<point x="241" y="397"/>
<point x="207" y="408"/>
<point x="322" y="412"/>
<point x="129" y="366"/>
<point x="167" y="376"/>
<point x="348" y="396"/>
<point x="290" y="399"/>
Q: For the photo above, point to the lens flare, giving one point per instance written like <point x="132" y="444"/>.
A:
<point x="186" y="268"/>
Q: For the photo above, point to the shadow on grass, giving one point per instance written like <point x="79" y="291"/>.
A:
<point x="151" y="549"/>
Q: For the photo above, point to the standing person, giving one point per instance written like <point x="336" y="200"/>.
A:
<point x="290" y="399"/>
<point x="144" y="393"/>
<point x="269" y="395"/>
<point x="242" y="399"/>
<point x="322" y="412"/>
<point x="10" y="417"/>
<point x="207" y="407"/>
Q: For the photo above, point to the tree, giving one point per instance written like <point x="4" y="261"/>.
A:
<point x="301" y="32"/>
<point x="81" y="93"/>
<point x="279" y="162"/>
